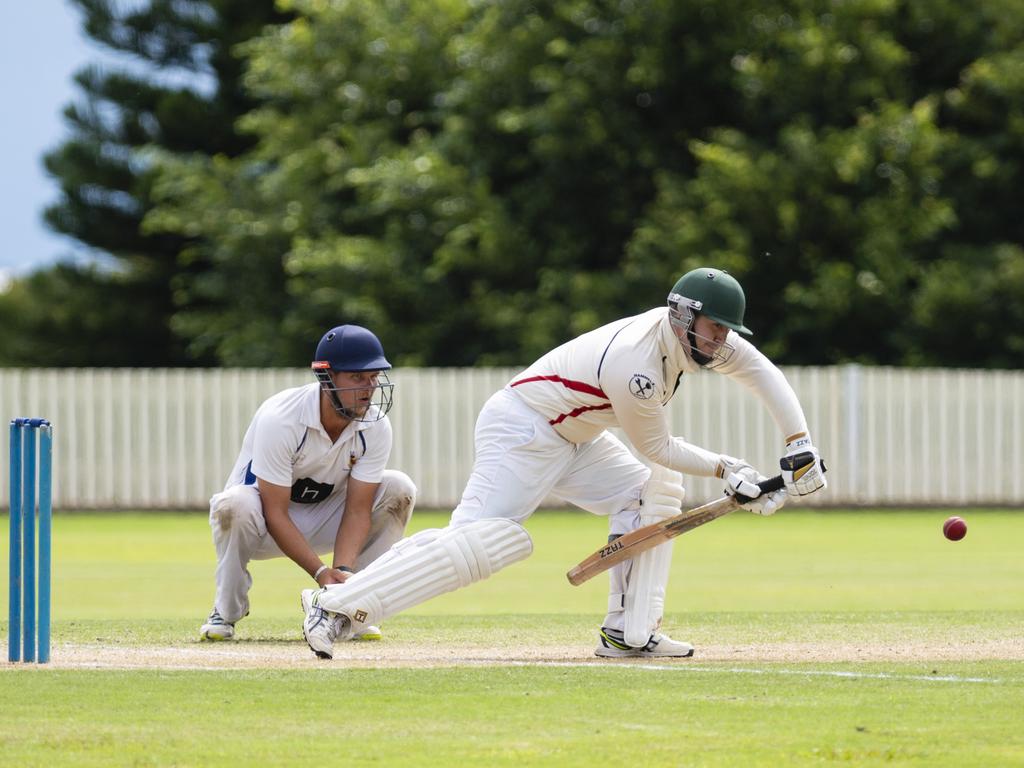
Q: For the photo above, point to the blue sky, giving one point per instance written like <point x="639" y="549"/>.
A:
<point x="40" y="50"/>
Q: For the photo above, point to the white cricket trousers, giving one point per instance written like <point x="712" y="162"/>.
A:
<point x="240" y="533"/>
<point x="521" y="460"/>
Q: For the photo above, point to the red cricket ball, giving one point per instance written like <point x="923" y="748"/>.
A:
<point x="954" y="529"/>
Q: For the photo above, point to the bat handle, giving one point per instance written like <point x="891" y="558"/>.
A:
<point x="766" y="486"/>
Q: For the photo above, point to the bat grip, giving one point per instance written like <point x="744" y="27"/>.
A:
<point x="766" y="486"/>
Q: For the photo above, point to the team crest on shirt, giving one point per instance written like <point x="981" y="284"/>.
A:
<point x="352" y="459"/>
<point x="641" y="386"/>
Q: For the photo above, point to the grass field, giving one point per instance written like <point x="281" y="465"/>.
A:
<point x="854" y="638"/>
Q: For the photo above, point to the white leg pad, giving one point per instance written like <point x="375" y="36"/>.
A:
<point x="644" y="599"/>
<point x="423" y="566"/>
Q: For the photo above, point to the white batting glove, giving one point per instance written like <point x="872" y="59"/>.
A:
<point x="802" y="467"/>
<point x="728" y="465"/>
<point x="742" y="479"/>
<point x="767" y="503"/>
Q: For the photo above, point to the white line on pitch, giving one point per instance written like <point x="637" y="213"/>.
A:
<point x="748" y="671"/>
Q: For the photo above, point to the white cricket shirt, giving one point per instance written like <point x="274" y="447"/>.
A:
<point x="624" y="373"/>
<point x="287" y="445"/>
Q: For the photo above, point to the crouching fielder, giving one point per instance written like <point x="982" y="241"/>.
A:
<point x="545" y="434"/>
<point x="310" y="479"/>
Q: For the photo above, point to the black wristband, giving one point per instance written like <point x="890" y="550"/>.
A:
<point x="343" y="569"/>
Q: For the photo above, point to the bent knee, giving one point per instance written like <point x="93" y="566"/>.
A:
<point x="238" y="505"/>
<point x="398" y="495"/>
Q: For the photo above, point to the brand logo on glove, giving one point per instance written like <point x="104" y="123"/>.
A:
<point x="359" y="616"/>
<point x="641" y="386"/>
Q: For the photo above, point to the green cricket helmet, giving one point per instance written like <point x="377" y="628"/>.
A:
<point x="713" y="293"/>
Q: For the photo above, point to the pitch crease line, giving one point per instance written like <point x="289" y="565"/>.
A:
<point x="748" y="671"/>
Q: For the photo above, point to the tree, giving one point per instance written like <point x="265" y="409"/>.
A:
<point x="490" y="162"/>
<point x="180" y="89"/>
<point x="479" y="181"/>
<point x="859" y="179"/>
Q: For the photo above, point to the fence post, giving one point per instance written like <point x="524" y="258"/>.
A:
<point x="852" y="408"/>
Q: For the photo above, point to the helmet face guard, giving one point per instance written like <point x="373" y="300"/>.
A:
<point x="682" y="313"/>
<point x="372" y="408"/>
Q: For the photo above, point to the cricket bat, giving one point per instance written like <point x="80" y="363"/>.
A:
<point x="631" y="544"/>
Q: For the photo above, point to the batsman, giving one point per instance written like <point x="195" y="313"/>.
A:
<point x="545" y="434"/>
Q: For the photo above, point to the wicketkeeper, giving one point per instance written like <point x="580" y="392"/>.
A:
<point x="311" y="479"/>
<point x="546" y="434"/>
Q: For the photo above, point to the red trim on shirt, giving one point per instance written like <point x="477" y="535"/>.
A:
<point x="577" y="411"/>
<point x="578" y="386"/>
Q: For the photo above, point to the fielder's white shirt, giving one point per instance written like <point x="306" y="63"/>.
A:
<point x="287" y="445"/>
<point x="624" y="373"/>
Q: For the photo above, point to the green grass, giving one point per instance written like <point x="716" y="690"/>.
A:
<point x="510" y="717"/>
<point x="794" y="561"/>
<point x="854" y="579"/>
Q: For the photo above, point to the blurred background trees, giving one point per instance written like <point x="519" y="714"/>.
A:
<point x="478" y="182"/>
<point x="178" y="90"/>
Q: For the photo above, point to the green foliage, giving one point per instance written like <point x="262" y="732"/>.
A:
<point x="974" y="296"/>
<point x="79" y="308"/>
<point x="179" y="90"/>
<point x="478" y="182"/>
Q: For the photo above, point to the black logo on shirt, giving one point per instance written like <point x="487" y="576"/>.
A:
<point x="308" y="491"/>
<point x="641" y="386"/>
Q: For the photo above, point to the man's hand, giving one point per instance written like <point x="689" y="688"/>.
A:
<point x="742" y="479"/>
<point x="802" y="467"/>
<point x="728" y="465"/>
<point x="282" y="529"/>
<point x="332" y="576"/>
<point x="767" y="503"/>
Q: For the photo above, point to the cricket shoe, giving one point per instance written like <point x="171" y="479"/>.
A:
<point x="320" y="628"/>
<point x="369" y="633"/>
<point x="216" y="628"/>
<point x="612" y="646"/>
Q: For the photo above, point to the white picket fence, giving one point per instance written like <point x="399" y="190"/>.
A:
<point x="138" y="438"/>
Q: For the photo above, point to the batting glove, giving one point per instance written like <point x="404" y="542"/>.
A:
<point x="728" y="465"/>
<point x="767" y="503"/>
<point x="742" y="479"/>
<point x="802" y="468"/>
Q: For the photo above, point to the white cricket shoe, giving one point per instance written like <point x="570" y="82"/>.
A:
<point x="216" y="628"/>
<point x="320" y="628"/>
<point x="371" y="632"/>
<point x="612" y="646"/>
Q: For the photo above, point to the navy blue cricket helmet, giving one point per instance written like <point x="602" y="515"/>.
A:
<point x="350" y="348"/>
